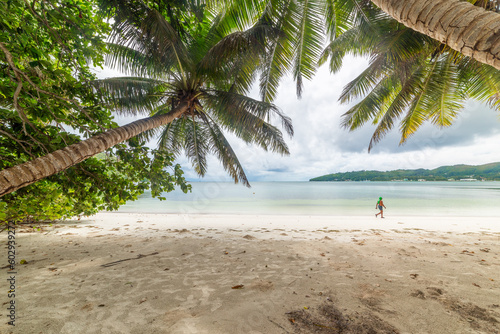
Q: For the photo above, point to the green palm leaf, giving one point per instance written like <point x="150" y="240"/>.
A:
<point x="236" y="14"/>
<point x="278" y="56"/>
<point x="224" y="152"/>
<point x="307" y="19"/>
<point x="132" y="95"/>
<point x="195" y="144"/>
<point x="235" y="105"/>
<point x="240" y="116"/>
<point x="137" y="63"/>
<point x="396" y="103"/>
<point x="237" y="56"/>
<point x="420" y="105"/>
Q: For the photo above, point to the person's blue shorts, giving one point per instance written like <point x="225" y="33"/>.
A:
<point x="380" y="207"/>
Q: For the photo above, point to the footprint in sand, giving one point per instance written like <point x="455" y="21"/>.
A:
<point x="216" y="305"/>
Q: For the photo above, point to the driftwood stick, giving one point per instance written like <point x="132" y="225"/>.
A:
<point x="140" y="256"/>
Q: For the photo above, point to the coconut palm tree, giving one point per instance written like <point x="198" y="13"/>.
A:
<point x="192" y="86"/>
<point x="411" y="78"/>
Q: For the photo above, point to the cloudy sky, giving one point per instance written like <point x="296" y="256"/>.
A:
<point x="320" y="146"/>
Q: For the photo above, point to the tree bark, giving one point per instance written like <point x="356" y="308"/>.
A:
<point x="468" y="29"/>
<point x="27" y="173"/>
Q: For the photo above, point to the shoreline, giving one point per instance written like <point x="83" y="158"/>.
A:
<point x="110" y="221"/>
<point x="151" y="273"/>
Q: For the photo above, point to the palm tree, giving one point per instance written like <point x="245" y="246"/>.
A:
<point x="411" y="77"/>
<point x="194" y="88"/>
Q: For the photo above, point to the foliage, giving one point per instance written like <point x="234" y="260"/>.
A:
<point x="489" y="171"/>
<point x="47" y="47"/>
<point x="185" y="16"/>
<point x="46" y="52"/>
<point x="99" y="183"/>
<point x="92" y="186"/>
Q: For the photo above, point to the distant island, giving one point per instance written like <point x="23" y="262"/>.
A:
<point x="490" y="172"/>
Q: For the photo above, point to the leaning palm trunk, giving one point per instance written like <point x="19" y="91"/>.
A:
<point x="466" y="28"/>
<point x="22" y="175"/>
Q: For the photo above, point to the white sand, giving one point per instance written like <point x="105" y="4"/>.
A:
<point x="144" y="273"/>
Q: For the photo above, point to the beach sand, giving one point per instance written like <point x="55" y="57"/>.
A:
<point x="141" y="273"/>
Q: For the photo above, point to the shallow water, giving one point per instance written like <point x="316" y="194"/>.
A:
<point x="329" y="198"/>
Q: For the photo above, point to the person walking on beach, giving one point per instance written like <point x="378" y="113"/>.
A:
<point x="380" y="205"/>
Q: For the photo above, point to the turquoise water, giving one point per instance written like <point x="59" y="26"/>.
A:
<point x="329" y="198"/>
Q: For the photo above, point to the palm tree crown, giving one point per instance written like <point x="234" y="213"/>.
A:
<point x="209" y="70"/>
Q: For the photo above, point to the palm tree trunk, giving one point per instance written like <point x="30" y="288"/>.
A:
<point x="22" y="175"/>
<point x="466" y="28"/>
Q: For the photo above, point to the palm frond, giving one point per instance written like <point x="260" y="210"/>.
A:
<point x="418" y="111"/>
<point x="483" y="81"/>
<point x="307" y="16"/>
<point x="131" y="95"/>
<point x="373" y="106"/>
<point x="338" y="48"/>
<point x="141" y="33"/>
<point x="397" y="51"/>
<point x="364" y="82"/>
<point x="196" y="145"/>
<point x="163" y="39"/>
<point x="274" y="67"/>
<point x="188" y="135"/>
<point x="136" y="63"/>
<point x="171" y="137"/>
<point x="236" y="14"/>
<point x="447" y="96"/>
<point x="220" y="146"/>
<point x="353" y="27"/>
<point x="237" y="56"/>
<point x="337" y="18"/>
<point x="238" y="117"/>
<point x="277" y="61"/>
<point x="221" y="101"/>
<point x="397" y="103"/>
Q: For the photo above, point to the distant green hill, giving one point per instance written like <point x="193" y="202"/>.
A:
<point x="488" y="172"/>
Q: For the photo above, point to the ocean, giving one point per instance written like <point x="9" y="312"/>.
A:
<point x="460" y="199"/>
